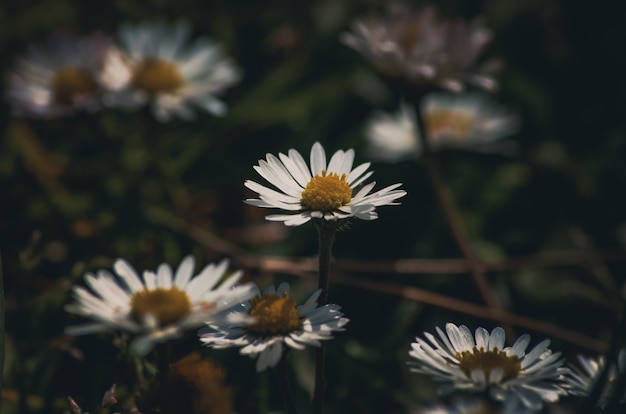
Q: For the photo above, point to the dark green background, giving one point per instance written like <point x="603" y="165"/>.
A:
<point x="81" y="191"/>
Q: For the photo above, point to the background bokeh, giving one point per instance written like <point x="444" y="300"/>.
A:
<point x="80" y="191"/>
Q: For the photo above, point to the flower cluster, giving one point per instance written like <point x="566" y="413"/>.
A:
<point x="152" y="63"/>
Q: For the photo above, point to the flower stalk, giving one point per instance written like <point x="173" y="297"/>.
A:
<point x="326" y="235"/>
<point x="448" y="208"/>
<point x="283" y="384"/>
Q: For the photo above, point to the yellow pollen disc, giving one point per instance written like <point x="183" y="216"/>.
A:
<point x="154" y="75"/>
<point x="167" y="306"/>
<point x="70" y="83"/>
<point x="487" y="361"/>
<point x="274" y="315"/>
<point x="326" y="192"/>
<point x="457" y="124"/>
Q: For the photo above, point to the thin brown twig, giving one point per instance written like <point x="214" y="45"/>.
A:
<point x="593" y="263"/>
<point x="480" y="311"/>
<point x="300" y="265"/>
<point x="303" y="267"/>
<point x="445" y="199"/>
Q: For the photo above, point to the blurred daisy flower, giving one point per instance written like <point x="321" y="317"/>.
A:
<point x="581" y="380"/>
<point x="158" y="306"/>
<point x="268" y="323"/>
<point x="481" y="363"/>
<point x="468" y="121"/>
<point x="321" y="191"/>
<point x="59" y="77"/>
<point x="157" y="64"/>
<point x="421" y="47"/>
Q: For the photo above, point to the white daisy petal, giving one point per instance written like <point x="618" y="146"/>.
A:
<point x="318" y="159"/>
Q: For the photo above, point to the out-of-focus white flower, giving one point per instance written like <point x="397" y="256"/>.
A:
<point x="581" y="379"/>
<point x="421" y="47"/>
<point x="468" y="121"/>
<point x="481" y="363"/>
<point x="321" y="191"/>
<point x="157" y="307"/>
<point x="59" y="77"/>
<point x="157" y="64"/>
<point x="263" y="326"/>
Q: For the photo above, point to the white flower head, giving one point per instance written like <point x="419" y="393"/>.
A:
<point x="581" y="380"/>
<point x="268" y="323"/>
<point x="393" y="137"/>
<point x="59" y="77"/>
<point x="481" y="363"/>
<point x="157" y="64"/>
<point x="158" y="306"/>
<point x="469" y="121"/>
<point x="322" y="191"/>
<point x="422" y="48"/>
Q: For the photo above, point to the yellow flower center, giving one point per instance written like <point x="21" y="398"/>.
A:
<point x="167" y="306"/>
<point x="274" y="315"/>
<point x="70" y="83"/>
<point x="326" y="192"/>
<point x="487" y="361"/>
<point x="450" y="123"/>
<point x="154" y="75"/>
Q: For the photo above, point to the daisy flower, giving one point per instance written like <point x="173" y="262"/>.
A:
<point x="581" y="380"/>
<point x="421" y="47"/>
<point x="59" y="77"/>
<point x="468" y="121"/>
<point x="158" y="306"/>
<point x="157" y="64"/>
<point x="322" y="191"/>
<point x="264" y="326"/>
<point x="481" y="362"/>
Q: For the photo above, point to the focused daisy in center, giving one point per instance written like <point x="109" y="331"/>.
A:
<point x="321" y="191"/>
<point x="263" y="324"/>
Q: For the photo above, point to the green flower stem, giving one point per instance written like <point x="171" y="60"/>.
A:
<point x="449" y="210"/>
<point x="326" y="232"/>
<point x="283" y="385"/>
